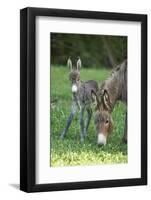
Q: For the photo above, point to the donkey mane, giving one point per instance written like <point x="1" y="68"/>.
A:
<point x="116" y="84"/>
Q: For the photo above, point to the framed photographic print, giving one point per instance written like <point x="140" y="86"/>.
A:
<point x="83" y="99"/>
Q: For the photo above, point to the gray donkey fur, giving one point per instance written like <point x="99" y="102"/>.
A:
<point x="81" y="98"/>
<point x="112" y="90"/>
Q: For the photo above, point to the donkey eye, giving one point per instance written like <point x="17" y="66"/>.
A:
<point x="107" y="121"/>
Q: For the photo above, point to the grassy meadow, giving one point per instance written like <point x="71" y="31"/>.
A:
<point x="70" y="152"/>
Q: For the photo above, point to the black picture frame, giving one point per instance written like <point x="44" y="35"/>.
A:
<point x="28" y="99"/>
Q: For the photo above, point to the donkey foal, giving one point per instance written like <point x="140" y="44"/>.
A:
<point x="81" y="98"/>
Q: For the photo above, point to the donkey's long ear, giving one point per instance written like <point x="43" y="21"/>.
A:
<point x="106" y="101"/>
<point x="69" y="63"/>
<point x="95" y="98"/>
<point x="78" y="63"/>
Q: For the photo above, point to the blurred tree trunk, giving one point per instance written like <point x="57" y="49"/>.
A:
<point x="109" y="51"/>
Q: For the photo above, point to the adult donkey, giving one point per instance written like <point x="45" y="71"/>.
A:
<point x="112" y="90"/>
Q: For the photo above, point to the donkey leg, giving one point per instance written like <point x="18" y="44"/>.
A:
<point x="89" y="115"/>
<point x="71" y="116"/>
<point x="82" y="124"/>
<point x="125" y="130"/>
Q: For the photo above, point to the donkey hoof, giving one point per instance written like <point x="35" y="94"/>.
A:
<point x="81" y="140"/>
<point x="61" y="137"/>
<point x="124" y="140"/>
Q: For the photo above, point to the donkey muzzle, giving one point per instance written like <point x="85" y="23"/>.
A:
<point x="74" y="88"/>
<point x="101" y="139"/>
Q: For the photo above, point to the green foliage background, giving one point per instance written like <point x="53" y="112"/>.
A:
<point x="94" y="50"/>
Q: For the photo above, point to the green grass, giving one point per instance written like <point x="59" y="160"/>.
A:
<point x="70" y="152"/>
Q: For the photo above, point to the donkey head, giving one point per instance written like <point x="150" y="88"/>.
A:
<point x="103" y="117"/>
<point x="74" y="75"/>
